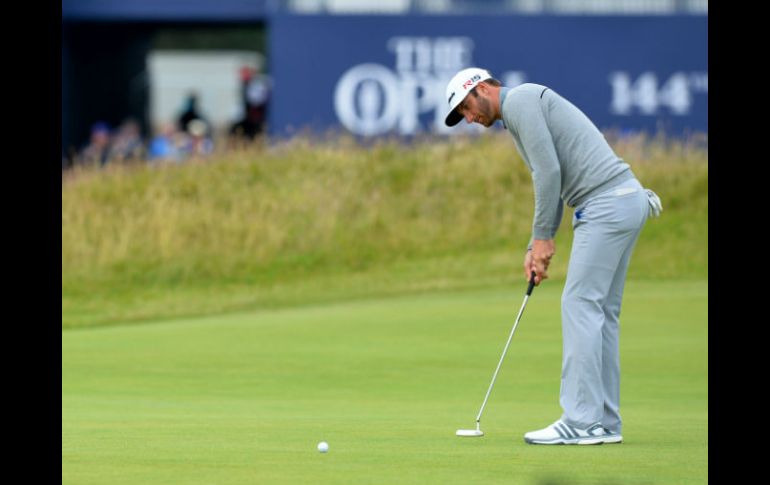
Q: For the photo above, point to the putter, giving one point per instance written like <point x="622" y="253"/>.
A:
<point x="477" y="432"/>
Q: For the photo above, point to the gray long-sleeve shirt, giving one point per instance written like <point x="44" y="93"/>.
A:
<point x="567" y="154"/>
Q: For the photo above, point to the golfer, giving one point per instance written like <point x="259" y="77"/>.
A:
<point x="571" y="163"/>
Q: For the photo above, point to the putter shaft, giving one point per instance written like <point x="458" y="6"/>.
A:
<point x="505" y="349"/>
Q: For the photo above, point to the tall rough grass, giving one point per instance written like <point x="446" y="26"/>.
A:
<point x="301" y="208"/>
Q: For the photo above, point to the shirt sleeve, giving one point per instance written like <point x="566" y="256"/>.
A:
<point x="559" y="213"/>
<point x="524" y="112"/>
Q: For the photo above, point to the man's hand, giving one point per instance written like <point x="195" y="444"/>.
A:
<point x="538" y="259"/>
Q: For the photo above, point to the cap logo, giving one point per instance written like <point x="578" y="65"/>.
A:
<point x="470" y="81"/>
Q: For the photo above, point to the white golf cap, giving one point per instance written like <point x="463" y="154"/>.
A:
<point x="459" y="87"/>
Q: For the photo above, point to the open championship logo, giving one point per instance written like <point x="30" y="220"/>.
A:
<point x="371" y="99"/>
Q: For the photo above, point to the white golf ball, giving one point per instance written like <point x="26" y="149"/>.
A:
<point x="323" y="446"/>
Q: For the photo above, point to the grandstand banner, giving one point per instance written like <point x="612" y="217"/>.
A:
<point x="386" y="75"/>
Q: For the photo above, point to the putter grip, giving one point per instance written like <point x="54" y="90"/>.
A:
<point x="531" y="284"/>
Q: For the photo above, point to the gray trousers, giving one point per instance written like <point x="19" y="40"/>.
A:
<point x="606" y="228"/>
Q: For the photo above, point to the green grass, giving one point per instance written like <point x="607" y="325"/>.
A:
<point x="245" y="397"/>
<point x="326" y="291"/>
<point x="310" y="222"/>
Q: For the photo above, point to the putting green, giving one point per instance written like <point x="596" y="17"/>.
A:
<point x="245" y="398"/>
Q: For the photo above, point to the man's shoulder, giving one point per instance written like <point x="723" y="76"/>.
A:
<point x="526" y="93"/>
<point x="527" y="88"/>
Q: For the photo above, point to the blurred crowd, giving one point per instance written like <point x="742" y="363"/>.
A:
<point x="189" y="136"/>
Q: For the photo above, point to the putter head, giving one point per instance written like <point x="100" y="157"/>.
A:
<point x="470" y="433"/>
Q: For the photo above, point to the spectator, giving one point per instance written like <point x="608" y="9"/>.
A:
<point x="167" y="145"/>
<point x="190" y="113"/>
<point x="199" y="144"/>
<point x="97" y="152"/>
<point x="255" y="92"/>
<point x="127" y="143"/>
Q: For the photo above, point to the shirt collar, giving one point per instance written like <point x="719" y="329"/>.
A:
<point x="503" y="91"/>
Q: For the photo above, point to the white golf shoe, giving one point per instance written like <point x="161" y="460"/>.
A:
<point x="616" y="436"/>
<point x="561" y="433"/>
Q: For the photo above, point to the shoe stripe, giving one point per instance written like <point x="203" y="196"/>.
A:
<point x="572" y="430"/>
<point x="570" y="433"/>
<point x="561" y="433"/>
